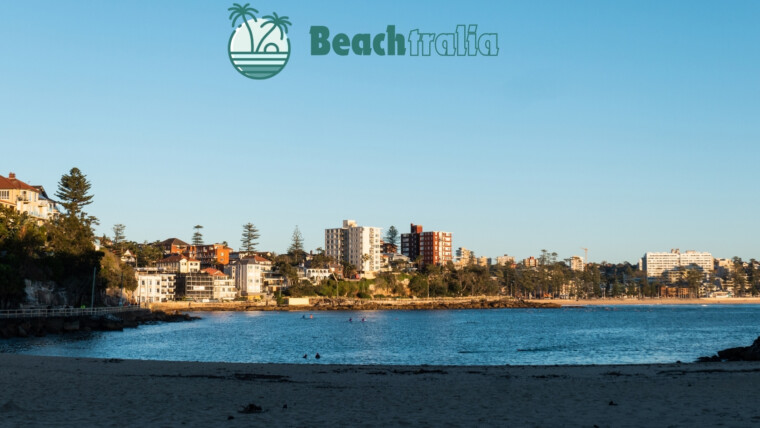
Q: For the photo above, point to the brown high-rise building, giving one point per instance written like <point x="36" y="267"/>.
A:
<point x="434" y="248"/>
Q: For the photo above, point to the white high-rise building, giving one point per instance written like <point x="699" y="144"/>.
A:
<point x="576" y="263"/>
<point x="657" y="264"/>
<point x="358" y="245"/>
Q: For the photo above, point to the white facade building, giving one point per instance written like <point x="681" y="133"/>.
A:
<point x="576" y="263"/>
<point x="224" y="288"/>
<point x="657" y="264"/>
<point x="248" y="274"/>
<point x="154" y="285"/>
<point x="179" y="263"/>
<point x="358" y="245"/>
<point x="313" y="275"/>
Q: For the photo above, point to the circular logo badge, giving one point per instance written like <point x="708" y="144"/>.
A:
<point x="259" y="47"/>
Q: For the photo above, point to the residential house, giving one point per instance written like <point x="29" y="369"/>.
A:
<point x="128" y="258"/>
<point x="313" y="275"/>
<point x="24" y="198"/>
<point x="179" y="263"/>
<point x="173" y="246"/>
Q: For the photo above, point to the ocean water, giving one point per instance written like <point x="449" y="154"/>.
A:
<point x="592" y="335"/>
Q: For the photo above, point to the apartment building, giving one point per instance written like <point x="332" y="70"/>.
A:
<point x="358" y="245"/>
<point x="576" y="263"/>
<point x="433" y="247"/>
<point x="196" y="286"/>
<point x="224" y="285"/>
<point x="658" y="264"/>
<point x="465" y="257"/>
<point x="210" y="255"/>
<point x="505" y="260"/>
<point x="250" y="275"/>
<point x="154" y="285"/>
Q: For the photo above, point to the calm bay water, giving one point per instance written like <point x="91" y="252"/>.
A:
<point x="594" y="335"/>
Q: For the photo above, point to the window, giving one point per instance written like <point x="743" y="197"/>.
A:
<point x="5" y="194"/>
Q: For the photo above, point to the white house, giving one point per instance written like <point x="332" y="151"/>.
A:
<point x="315" y="276"/>
<point x="248" y="274"/>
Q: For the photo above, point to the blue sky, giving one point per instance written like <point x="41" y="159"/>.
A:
<point x="624" y="127"/>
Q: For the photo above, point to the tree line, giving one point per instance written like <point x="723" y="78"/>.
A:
<point x="60" y="249"/>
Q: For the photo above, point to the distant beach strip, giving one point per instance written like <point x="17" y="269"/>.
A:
<point x="259" y="65"/>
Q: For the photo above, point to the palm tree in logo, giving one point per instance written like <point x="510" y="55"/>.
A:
<point x="275" y="21"/>
<point x="241" y="12"/>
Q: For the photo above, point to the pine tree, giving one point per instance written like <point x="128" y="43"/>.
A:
<point x="250" y="238"/>
<point x="391" y="236"/>
<point x="72" y="193"/>
<point x="72" y="231"/>
<point x="118" y="235"/>
<point x="197" y="236"/>
<point x="296" y="245"/>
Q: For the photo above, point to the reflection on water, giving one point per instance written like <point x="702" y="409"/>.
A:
<point x="594" y="335"/>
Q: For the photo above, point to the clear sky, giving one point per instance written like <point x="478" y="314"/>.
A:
<point x="621" y="126"/>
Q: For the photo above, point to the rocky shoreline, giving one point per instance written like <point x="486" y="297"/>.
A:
<point x="42" y="326"/>
<point x="740" y="353"/>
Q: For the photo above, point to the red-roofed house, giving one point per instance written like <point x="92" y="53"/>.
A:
<point x="31" y="200"/>
<point x="173" y="246"/>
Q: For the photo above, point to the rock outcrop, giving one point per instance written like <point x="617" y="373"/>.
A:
<point x="27" y="327"/>
<point x="741" y="353"/>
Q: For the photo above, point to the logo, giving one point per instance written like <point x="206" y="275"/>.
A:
<point x="465" y="41"/>
<point x="258" y="48"/>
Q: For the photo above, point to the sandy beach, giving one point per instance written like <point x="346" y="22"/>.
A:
<point x="626" y="302"/>
<point x="472" y="302"/>
<point x="51" y="391"/>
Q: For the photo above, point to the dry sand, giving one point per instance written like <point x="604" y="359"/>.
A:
<point x="622" y="302"/>
<point x="50" y="391"/>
